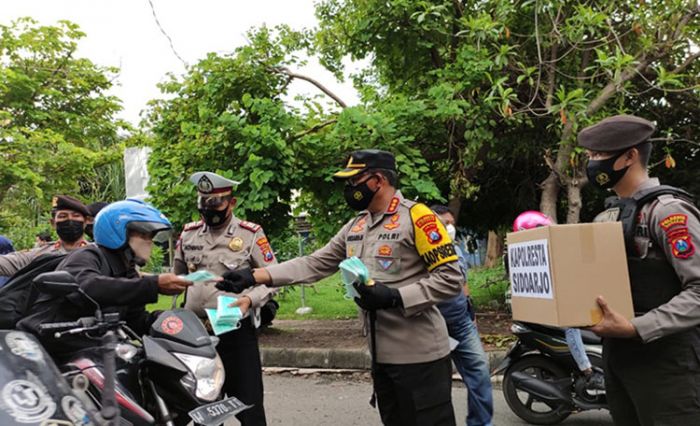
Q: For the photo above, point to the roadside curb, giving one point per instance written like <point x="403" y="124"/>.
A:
<point x="335" y="359"/>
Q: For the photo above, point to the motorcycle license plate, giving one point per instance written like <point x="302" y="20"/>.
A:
<point x="216" y="412"/>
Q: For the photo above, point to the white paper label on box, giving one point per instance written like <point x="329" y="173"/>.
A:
<point x="530" y="271"/>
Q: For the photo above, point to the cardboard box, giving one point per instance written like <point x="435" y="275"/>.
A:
<point x="556" y="273"/>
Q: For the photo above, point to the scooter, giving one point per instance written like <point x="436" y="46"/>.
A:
<point x="542" y="384"/>
<point x="170" y="377"/>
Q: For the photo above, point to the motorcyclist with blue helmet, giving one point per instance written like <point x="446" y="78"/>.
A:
<point x="124" y="233"/>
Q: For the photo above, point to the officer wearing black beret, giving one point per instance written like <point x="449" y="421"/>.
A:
<point x="68" y="217"/>
<point x="93" y="209"/>
<point x="652" y="362"/>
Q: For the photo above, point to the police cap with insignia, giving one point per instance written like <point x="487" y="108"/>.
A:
<point x="209" y="183"/>
<point x="66" y="202"/>
<point x="366" y="159"/>
<point x="616" y="133"/>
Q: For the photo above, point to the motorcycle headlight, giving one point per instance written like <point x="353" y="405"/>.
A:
<point x="208" y="375"/>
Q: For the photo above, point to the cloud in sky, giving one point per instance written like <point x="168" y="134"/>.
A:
<point x="124" y="34"/>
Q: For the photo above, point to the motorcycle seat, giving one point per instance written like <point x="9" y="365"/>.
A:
<point x="588" y="337"/>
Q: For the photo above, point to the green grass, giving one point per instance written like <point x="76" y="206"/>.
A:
<point x="326" y="298"/>
<point x="488" y="286"/>
<point x="164" y="303"/>
<point x="327" y="301"/>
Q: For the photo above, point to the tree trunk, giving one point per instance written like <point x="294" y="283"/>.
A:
<point x="550" y="194"/>
<point x="573" y="195"/>
<point x="494" y="250"/>
<point x="455" y="205"/>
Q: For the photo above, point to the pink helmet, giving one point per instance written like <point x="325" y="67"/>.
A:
<point x="530" y="219"/>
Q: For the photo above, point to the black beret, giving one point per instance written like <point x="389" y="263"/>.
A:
<point x="616" y="133"/>
<point x="366" y="159"/>
<point x="95" y="208"/>
<point x="66" y="202"/>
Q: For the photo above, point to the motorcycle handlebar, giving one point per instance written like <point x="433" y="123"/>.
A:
<point x="59" y="326"/>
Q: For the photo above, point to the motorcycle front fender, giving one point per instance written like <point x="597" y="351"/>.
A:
<point x="515" y="352"/>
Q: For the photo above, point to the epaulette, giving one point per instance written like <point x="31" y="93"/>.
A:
<point x="193" y="225"/>
<point x="252" y="227"/>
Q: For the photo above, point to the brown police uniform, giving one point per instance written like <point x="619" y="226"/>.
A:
<point x="241" y="244"/>
<point x="235" y="245"/>
<point x="654" y="379"/>
<point x="13" y="262"/>
<point x="407" y="248"/>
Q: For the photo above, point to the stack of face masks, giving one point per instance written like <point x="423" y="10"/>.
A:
<point x="199" y="276"/>
<point x="352" y="270"/>
<point x="224" y="318"/>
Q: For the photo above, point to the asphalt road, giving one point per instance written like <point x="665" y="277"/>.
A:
<point x="342" y="401"/>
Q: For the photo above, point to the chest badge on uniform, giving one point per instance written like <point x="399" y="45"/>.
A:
<point x="384" y="251"/>
<point x="236" y="244"/>
<point x="393" y="222"/>
<point x="191" y="267"/>
<point x="385" y="264"/>
<point x="359" y="225"/>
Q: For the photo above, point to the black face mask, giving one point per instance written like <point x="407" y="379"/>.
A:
<point x="602" y="174"/>
<point x="214" y="218"/>
<point x="70" y="231"/>
<point x="88" y="231"/>
<point x="359" y="196"/>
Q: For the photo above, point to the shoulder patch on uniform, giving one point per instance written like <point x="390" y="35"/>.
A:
<point x="265" y="249"/>
<point x="681" y="244"/>
<point x="431" y="239"/>
<point x="674" y="220"/>
<point x="193" y="225"/>
<point x="252" y="227"/>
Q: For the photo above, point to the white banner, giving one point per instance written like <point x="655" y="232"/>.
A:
<point x="136" y="172"/>
<point x="530" y="270"/>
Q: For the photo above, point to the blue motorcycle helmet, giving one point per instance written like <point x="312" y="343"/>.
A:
<point x="113" y="223"/>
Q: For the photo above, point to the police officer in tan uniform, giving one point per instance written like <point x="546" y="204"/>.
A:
<point x="652" y="363"/>
<point x="220" y="243"/>
<point x="68" y="217"/>
<point x="412" y="260"/>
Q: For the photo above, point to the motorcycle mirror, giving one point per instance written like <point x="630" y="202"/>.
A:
<point x="59" y="283"/>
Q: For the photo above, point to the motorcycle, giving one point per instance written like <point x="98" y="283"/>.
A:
<point x="169" y="377"/>
<point x="542" y="383"/>
<point x="33" y="391"/>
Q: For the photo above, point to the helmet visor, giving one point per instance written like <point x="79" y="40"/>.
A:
<point x="158" y="231"/>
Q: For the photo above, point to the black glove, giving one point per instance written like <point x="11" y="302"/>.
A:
<point x="236" y="281"/>
<point x="268" y="312"/>
<point x="377" y="296"/>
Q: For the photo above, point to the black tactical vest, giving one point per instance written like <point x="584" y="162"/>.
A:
<point x="653" y="279"/>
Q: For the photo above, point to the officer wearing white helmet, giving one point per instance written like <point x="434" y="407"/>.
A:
<point x="220" y="243"/>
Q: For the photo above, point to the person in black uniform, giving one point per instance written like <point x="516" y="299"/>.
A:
<point x="652" y="362"/>
<point x="107" y="272"/>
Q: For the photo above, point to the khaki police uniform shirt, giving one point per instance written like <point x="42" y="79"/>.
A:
<point x="673" y="230"/>
<point x="406" y="248"/>
<point x="240" y="245"/>
<point x="12" y="262"/>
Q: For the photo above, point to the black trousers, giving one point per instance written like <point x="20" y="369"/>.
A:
<point x="239" y="352"/>
<point x="415" y="394"/>
<point x="657" y="383"/>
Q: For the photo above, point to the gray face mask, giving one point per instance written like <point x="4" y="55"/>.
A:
<point x="142" y="249"/>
